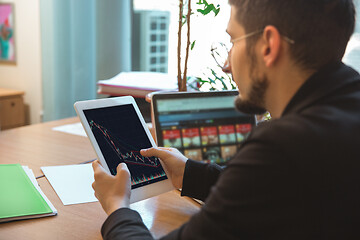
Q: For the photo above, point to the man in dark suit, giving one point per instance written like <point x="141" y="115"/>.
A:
<point x="298" y="175"/>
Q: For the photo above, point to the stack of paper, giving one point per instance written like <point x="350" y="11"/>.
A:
<point x="20" y="195"/>
<point x="137" y="84"/>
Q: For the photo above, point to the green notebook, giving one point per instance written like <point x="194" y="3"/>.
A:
<point x="20" y="196"/>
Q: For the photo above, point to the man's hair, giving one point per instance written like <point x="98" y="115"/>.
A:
<point x="320" y="28"/>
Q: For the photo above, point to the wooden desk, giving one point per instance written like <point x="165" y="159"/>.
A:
<point x="36" y="146"/>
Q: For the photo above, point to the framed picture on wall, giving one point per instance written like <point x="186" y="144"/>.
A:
<point x="7" y="38"/>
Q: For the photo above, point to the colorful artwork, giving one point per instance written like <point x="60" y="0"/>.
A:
<point x="227" y="152"/>
<point x="7" y="42"/>
<point x="172" y="138"/>
<point x="191" y="137"/>
<point x="242" y="131"/>
<point x="212" y="155"/>
<point x="209" y="136"/>
<point x="227" y="134"/>
<point x="194" y="154"/>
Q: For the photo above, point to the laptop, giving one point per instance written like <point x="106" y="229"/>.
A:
<point x="204" y="126"/>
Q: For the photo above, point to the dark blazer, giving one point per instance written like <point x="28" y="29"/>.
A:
<point x="296" y="177"/>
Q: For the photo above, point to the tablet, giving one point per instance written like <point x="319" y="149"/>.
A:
<point x="118" y="132"/>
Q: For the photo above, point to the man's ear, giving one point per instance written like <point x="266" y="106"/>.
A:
<point x="271" y="47"/>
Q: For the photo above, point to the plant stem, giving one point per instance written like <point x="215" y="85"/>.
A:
<point x="181" y="4"/>
<point x="184" y="87"/>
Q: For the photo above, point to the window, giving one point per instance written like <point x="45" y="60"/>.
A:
<point x="153" y="38"/>
<point x="204" y="29"/>
<point x="150" y="31"/>
<point x="352" y="54"/>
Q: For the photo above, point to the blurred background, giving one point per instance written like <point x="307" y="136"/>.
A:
<point x="62" y="48"/>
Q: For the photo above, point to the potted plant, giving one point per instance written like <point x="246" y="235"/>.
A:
<point x="204" y="8"/>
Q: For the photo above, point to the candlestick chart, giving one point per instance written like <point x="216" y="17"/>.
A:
<point x="123" y="150"/>
<point x="120" y="137"/>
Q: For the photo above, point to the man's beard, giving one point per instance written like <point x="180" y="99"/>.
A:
<point x="255" y="104"/>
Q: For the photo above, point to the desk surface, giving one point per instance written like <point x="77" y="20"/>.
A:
<point x="36" y="146"/>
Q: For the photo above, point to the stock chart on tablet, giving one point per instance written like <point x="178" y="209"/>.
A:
<point x="120" y="136"/>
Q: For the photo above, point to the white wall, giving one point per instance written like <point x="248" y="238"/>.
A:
<point x="26" y="73"/>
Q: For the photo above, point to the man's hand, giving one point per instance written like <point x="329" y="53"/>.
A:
<point x="174" y="162"/>
<point x="113" y="192"/>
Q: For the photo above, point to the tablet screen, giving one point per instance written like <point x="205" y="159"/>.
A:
<point x="120" y="136"/>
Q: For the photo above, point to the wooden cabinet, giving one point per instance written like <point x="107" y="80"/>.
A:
<point x="12" y="111"/>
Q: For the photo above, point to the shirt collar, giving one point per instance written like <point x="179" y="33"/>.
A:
<point x="329" y="78"/>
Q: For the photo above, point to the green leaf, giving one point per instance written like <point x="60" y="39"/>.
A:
<point x="216" y="11"/>
<point x="211" y="80"/>
<point x="219" y="79"/>
<point x="209" y="8"/>
<point x="202" y="2"/>
<point x="184" y="20"/>
<point x="192" y="45"/>
<point x="206" y="11"/>
<point x="223" y="83"/>
<point x="202" y="81"/>
<point x="214" y="73"/>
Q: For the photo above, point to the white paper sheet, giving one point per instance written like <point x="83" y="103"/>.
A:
<point x="143" y="80"/>
<point x="72" y="183"/>
<point x="74" y="128"/>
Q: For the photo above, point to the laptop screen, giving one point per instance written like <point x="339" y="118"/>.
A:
<point x="204" y="126"/>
